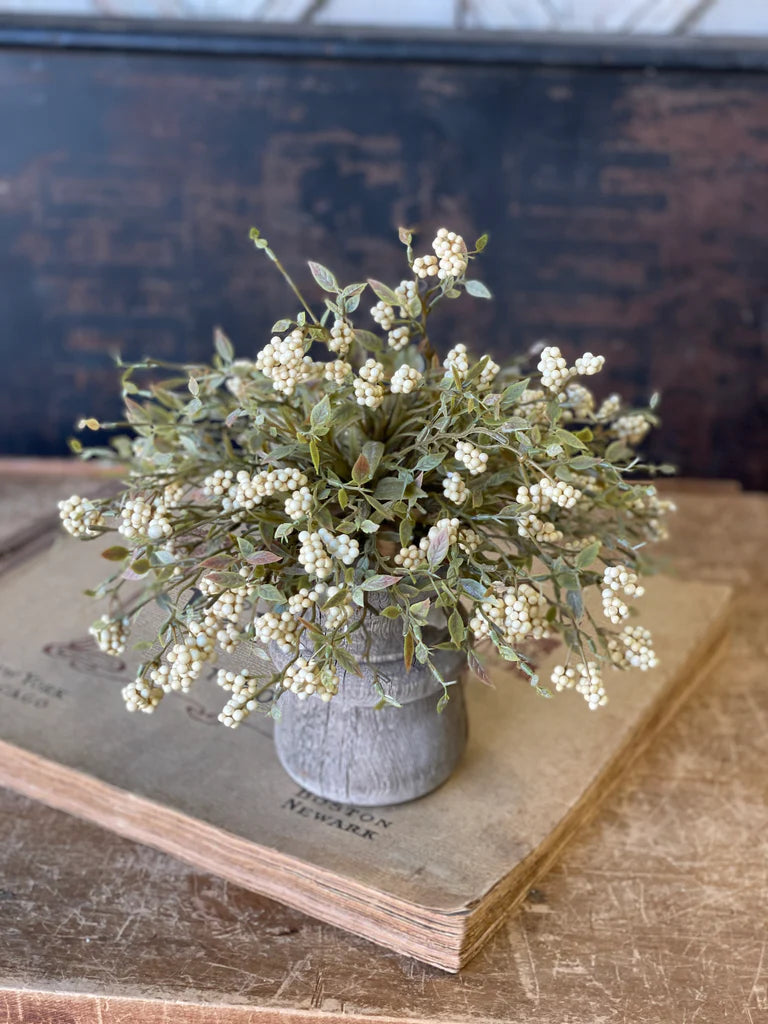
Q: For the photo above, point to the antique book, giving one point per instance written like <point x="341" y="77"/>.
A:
<point x="433" y="878"/>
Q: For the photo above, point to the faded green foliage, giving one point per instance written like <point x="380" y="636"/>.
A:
<point x="375" y="476"/>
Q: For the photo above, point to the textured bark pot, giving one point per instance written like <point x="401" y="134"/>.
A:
<point x="347" y="750"/>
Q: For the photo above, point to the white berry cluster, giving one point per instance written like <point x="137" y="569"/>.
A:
<point x="633" y="648"/>
<point x="426" y="266"/>
<point x="398" y="338"/>
<point x="631" y="429"/>
<point x="145" y="518"/>
<point x="336" y="371"/>
<point x="519" y="614"/>
<point x="617" y="580"/>
<point x="533" y="406"/>
<point x="559" y="493"/>
<point x="284" y="362"/>
<point x="369" y="390"/>
<point x="475" y="460"/>
<point x="654" y="509"/>
<point x="344" y="548"/>
<point x="277" y="628"/>
<point x="487" y="375"/>
<point x="587" y="365"/>
<point x="313" y="556"/>
<point x="533" y="495"/>
<point x="243" y="688"/>
<point x="219" y="483"/>
<point x="469" y="541"/>
<point x="305" y="677"/>
<point x="342" y="336"/>
<point x="80" y="517"/>
<point x="405" y="380"/>
<point x="111" y="635"/>
<point x="451" y="250"/>
<point x="299" y="504"/>
<point x="228" y="605"/>
<point x="450" y="526"/>
<point x="406" y="292"/>
<point x="457" y="361"/>
<point x="384" y="315"/>
<point x="454" y="488"/>
<point x="249" y="491"/>
<point x="553" y="368"/>
<point x="533" y="527"/>
<point x="186" y="659"/>
<point x="586" y="680"/>
<point x="410" y="557"/>
<point x="555" y="372"/>
<point x="338" y="615"/>
<point x="172" y="494"/>
<point x="579" y="402"/>
<point x="609" y="408"/>
<point x="142" y="695"/>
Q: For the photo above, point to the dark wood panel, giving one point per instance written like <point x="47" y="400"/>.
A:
<point x="627" y="211"/>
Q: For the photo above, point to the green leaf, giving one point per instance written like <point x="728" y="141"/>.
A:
<point x="481" y="243"/>
<point x="478" y="668"/>
<point x="245" y="547"/>
<point x="314" y="452"/>
<point x="586" y="557"/>
<point x="390" y="488"/>
<point x="324" y="277"/>
<point x="392" y="612"/>
<point x="347" y="661"/>
<point x="408" y="646"/>
<point x="280" y="325"/>
<point x="320" y="416"/>
<point x="513" y="394"/>
<point x="368" y="526"/>
<point x="269" y="592"/>
<point x="474" y="588"/>
<point x="581" y="462"/>
<point x="383" y="292"/>
<point x="420" y="611"/>
<point x="442" y="704"/>
<point x="429" y="462"/>
<point x="115" y="554"/>
<point x="373" y="451"/>
<point x="575" y="603"/>
<point x="456" y="627"/>
<point x="617" y="451"/>
<point x="223" y="345"/>
<point x="379" y="582"/>
<point x="477" y="289"/>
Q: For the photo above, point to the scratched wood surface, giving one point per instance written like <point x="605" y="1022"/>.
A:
<point x="626" y="208"/>
<point x="656" y="913"/>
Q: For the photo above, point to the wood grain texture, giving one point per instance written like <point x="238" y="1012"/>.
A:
<point x="655" y="913"/>
<point x="626" y="211"/>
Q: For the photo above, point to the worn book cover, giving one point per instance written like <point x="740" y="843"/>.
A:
<point x="432" y="878"/>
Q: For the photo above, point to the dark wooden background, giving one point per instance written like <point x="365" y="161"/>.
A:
<point x="625" y="190"/>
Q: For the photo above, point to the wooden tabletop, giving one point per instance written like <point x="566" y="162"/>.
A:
<point x="656" y="913"/>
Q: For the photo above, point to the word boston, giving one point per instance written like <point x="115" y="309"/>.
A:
<point x="349" y="819"/>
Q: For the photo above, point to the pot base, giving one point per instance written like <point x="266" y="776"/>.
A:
<point x="355" y="754"/>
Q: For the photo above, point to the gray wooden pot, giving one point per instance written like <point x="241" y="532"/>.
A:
<point x="348" y="751"/>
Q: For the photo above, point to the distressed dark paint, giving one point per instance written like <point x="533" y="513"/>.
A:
<point x="627" y="212"/>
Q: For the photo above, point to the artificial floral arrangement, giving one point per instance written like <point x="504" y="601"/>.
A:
<point x="347" y="474"/>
